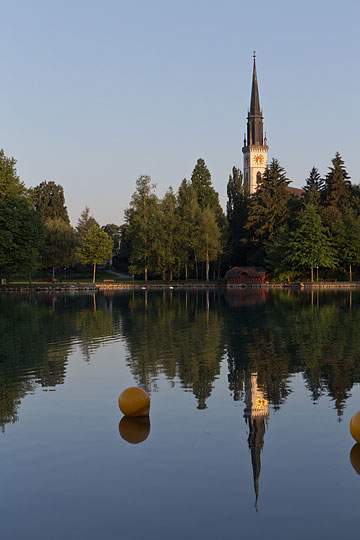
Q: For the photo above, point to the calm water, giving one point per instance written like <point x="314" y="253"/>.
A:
<point x="252" y="393"/>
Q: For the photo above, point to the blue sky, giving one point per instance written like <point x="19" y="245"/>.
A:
<point x="95" y="93"/>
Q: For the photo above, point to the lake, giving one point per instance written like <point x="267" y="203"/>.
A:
<point x="251" y="393"/>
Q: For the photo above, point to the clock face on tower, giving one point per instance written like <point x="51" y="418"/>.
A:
<point x="259" y="159"/>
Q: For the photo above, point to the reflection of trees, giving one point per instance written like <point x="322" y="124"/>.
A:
<point x="183" y="335"/>
<point x="178" y="334"/>
<point x="312" y="333"/>
<point x="38" y="333"/>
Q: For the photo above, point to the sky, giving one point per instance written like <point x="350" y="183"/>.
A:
<point x="96" y="93"/>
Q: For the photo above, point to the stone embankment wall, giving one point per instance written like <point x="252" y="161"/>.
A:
<point x="47" y="288"/>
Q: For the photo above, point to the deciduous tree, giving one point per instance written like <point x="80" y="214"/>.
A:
<point x="96" y="248"/>
<point x="60" y="244"/>
<point x="22" y="233"/>
<point x="142" y="226"/>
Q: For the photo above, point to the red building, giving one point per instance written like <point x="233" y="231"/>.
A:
<point x="240" y="275"/>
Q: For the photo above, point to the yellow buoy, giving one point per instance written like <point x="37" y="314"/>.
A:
<point x="134" y="402"/>
<point x="355" y="426"/>
<point x="134" y="430"/>
<point x="355" y="457"/>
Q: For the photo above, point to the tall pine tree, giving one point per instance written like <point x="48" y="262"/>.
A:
<point x="314" y="187"/>
<point x="337" y="194"/>
<point x="310" y="246"/>
<point x="268" y="209"/>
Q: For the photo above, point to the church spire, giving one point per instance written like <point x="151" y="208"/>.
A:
<point x="255" y="101"/>
<point x="255" y="147"/>
<point x="255" y="118"/>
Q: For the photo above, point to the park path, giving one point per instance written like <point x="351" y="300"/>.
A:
<point x="120" y="276"/>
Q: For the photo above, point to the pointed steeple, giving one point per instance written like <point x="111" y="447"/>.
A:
<point x="255" y="101"/>
<point x="255" y="118"/>
<point x="256" y="415"/>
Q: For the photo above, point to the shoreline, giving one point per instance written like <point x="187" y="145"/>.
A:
<point x="172" y="286"/>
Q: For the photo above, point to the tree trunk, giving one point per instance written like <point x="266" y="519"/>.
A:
<point x="186" y="272"/>
<point x="170" y="275"/>
<point x="196" y="267"/>
<point x="53" y="272"/>
<point x="30" y="279"/>
<point x="94" y="273"/>
<point x="145" y="273"/>
<point x="312" y="275"/>
<point x="350" y="272"/>
<point x="207" y="265"/>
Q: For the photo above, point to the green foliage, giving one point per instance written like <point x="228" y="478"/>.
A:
<point x="96" y="248"/>
<point x="237" y="209"/>
<point x="187" y="209"/>
<point x="310" y="245"/>
<point x="115" y="233"/>
<point x="337" y="194"/>
<point x="49" y="200"/>
<point x="60" y="244"/>
<point x="10" y="184"/>
<point x="85" y="222"/>
<point x="207" y="237"/>
<point x="347" y="239"/>
<point x="201" y="181"/>
<point x="22" y="234"/>
<point x="269" y="205"/>
<point x="142" y="218"/>
<point x="314" y="187"/>
<point x="165" y="248"/>
<point x="276" y="257"/>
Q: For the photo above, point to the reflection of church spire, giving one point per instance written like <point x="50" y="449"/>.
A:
<point x="256" y="414"/>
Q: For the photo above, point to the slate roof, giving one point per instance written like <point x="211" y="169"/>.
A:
<point x="251" y="271"/>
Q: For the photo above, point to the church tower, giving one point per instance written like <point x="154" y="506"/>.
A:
<point x="256" y="415"/>
<point x="255" y="147"/>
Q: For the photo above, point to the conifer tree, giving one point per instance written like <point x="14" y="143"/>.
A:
<point x="85" y="222"/>
<point x="277" y="254"/>
<point x="347" y="239"/>
<point x="314" y="187"/>
<point x="201" y="181"/>
<point x="142" y="226"/>
<point x="268" y="208"/>
<point x="337" y="193"/>
<point x="310" y="246"/>
<point x="49" y="201"/>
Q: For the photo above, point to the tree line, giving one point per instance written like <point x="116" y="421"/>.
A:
<point x="288" y="233"/>
<point x="36" y="231"/>
<point x="186" y="234"/>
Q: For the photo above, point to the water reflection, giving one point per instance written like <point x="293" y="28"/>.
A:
<point x="185" y="335"/>
<point x="256" y="415"/>
<point x="355" y="457"/>
<point x="134" y="430"/>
